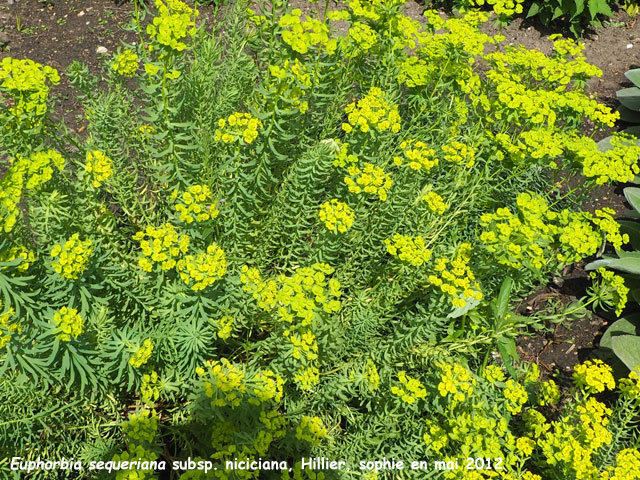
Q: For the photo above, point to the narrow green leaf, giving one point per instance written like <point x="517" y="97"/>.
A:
<point x="507" y="350"/>
<point x="503" y="299"/>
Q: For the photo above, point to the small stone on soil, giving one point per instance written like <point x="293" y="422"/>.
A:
<point x="101" y="50"/>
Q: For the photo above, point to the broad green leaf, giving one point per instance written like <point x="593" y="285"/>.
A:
<point x="627" y="349"/>
<point x="623" y="254"/>
<point x="628" y="265"/>
<point x="635" y="131"/>
<point x="604" y="145"/>
<point x="557" y="13"/>
<point x="604" y="8"/>
<point x="628" y="115"/>
<point x="632" y="229"/>
<point x="629" y="325"/>
<point x="634" y="76"/>
<point x="632" y="194"/>
<point x="629" y="97"/>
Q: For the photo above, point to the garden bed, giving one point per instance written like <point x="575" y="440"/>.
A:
<point x="256" y="278"/>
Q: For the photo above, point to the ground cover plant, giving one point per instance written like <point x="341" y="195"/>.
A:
<point x="277" y="242"/>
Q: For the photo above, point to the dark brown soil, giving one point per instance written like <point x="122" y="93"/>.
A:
<point x="61" y="31"/>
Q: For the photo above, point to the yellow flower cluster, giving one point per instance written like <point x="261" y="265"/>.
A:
<point x="630" y="386"/>
<point x="593" y="376"/>
<point x="535" y="422"/>
<point x="593" y="423"/>
<point x="627" y="466"/>
<point x="359" y="40"/>
<point x="531" y="237"/>
<point x="142" y="426"/>
<point x="11" y="186"/>
<point x="420" y="156"/>
<point x="311" y="430"/>
<point x="614" y="287"/>
<point x="435" y="203"/>
<point x="70" y="259"/>
<point x="163" y="245"/>
<point x="69" y="323"/>
<point x="150" y="388"/>
<point x="301" y="35"/>
<point x="372" y="111"/>
<point x="142" y="354"/>
<point x="372" y="376"/>
<point x="503" y="8"/>
<point x="456" y="380"/>
<point x="435" y="436"/>
<point x="493" y="373"/>
<point x="525" y="445"/>
<point x="371" y="178"/>
<point x="571" y="442"/>
<point x="7" y="327"/>
<point x="293" y="80"/>
<point x="29" y="173"/>
<point x="619" y="164"/>
<point x="135" y="453"/>
<point x="337" y="216"/>
<point x="227" y="385"/>
<point x="405" y="32"/>
<point x="297" y="300"/>
<point x="126" y="63"/>
<point x="225" y="327"/>
<point x="174" y="22"/>
<point x="459" y="153"/>
<point x="307" y="378"/>
<point x="479" y="432"/>
<point x="556" y="71"/>
<point x="409" y="249"/>
<point x="295" y="296"/>
<point x="194" y="204"/>
<point x="251" y="15"/>
<point x="25" y="255"/>
<point x="266" y="386"/>
<point x="516" y="396"/>
<point x="415" y="72"/>
<point x="275" y="428"/>
<point x="342" y="157"/>
<point x="28" y="83"/>
<point x="203" y="269"/>
<point x="411" y="389"/>
<point x="238" y="127"/>
<point x="516" y="101"/>
<point x="38" y="167"/>
<point x="447" y="56"/>
<point x="548" y="393"/>
<point x="455" y="278"/>
<point x="99" y="166"/>
<point x="374" y="10"/>
<point x="304" y="345"/>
